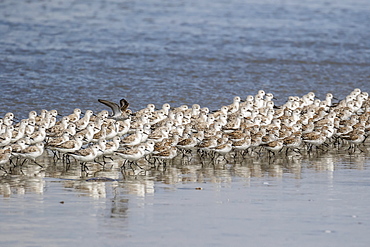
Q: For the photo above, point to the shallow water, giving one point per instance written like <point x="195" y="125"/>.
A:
<point x="67" y="54"/>
<point x="319" y="200"/>
<point x="186" y="52"/>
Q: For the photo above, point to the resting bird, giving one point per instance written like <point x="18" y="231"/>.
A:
<point x="119" y="112"/>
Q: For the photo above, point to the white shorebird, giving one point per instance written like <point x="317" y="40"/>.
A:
<point x="19" y="132"/>
<point x="71" y="145"/>
<point x="188" y="144"/>
<point x="234" y="107"/>
<point x="75" y="116"/>
<point x="5" y="138"/>
<point x="112" y="130"/>
<point x="243" y="144"/>
<point x="133" y="139"/>
<point x="112" y="146"/>
<point x="222" y="149"/>
<point x="59" y="127"/>
<point x="32" y="152"/>
<point x="88" y="132"/>
<point x="167" y="154"/>
<point x="37" y="136"/>
<point x="132" y="155"/>
<point x="19" y="146"/>
<point x="273" y="146"/>
<point x="85" y="155"/>
<point x="124" y="126"/>
<point x="58" y="140"/>
<point x="101" y="134"/>
<point x="159" y="136"/>
<point x="5" y="155"/>
<point x="8" y="119"/>
<point x="84" y="121"/>
<point x="316" y="138"/>
<point x="147" y="110"/>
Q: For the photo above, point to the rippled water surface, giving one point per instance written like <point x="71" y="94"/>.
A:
<point x="67" y="54"/>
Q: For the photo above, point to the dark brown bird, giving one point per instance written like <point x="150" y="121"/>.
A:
<point x="119" y="112"/>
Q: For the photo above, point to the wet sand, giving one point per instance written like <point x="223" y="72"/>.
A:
<point x="63" y="55"/>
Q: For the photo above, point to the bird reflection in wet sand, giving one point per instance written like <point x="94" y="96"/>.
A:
<point x="119" y="208"/>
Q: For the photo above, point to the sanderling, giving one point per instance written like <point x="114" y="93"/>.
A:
<point x="84" y="121"/>
<point x="71" y="129"/>
<point x="71" y="145"/>
<point x="6" y="137"/>
<point x="207" y="144"/>
<point x="19" y="132"/>
<point x="58" y="140"/>
<point x="157" y="117"/>
<point x="37" y="136"/>
<point x="19" y="145"/>
<point x="242" y="144"/>
<point x="112" y="146"/>
<point x="166" y="108"/>
<point x="223" y="149"/>
<point x="59" y="127"/>
<point x="181" y="108"/>
<point x="234" y="107"/>
<point x="159" y="135"/>
<point x="149" y="109"/>
<point x="167" y="154"/>
<point x="75" y="116"/>
<point x="88" y="132"/>
<point x="355" y="137"/>
<point x="132" y="155"/>
<point x="5" y="155"/>
<point x="32" y="152"/>
<point x="124" y="127"/>
<point x="274" y="146"/>
<point x="101" y="134"/>
<point x="188" y="143"/>
<point x="112" y="130"/>
<point x="293" y="141"/>
<point x="133" y="139"/>
<point x="85" y="155"/>
<point x="316" y="138"/>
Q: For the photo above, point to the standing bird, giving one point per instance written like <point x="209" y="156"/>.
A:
<point x="120" y="112"/>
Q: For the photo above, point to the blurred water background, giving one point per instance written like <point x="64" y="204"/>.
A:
<point x="67" y="54"/>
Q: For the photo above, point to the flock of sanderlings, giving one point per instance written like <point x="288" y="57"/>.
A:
<point x="245" y="127"/>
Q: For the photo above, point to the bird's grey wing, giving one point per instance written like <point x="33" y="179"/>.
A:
<point x="124" y="104"/>
<point x="115" y="108"/>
